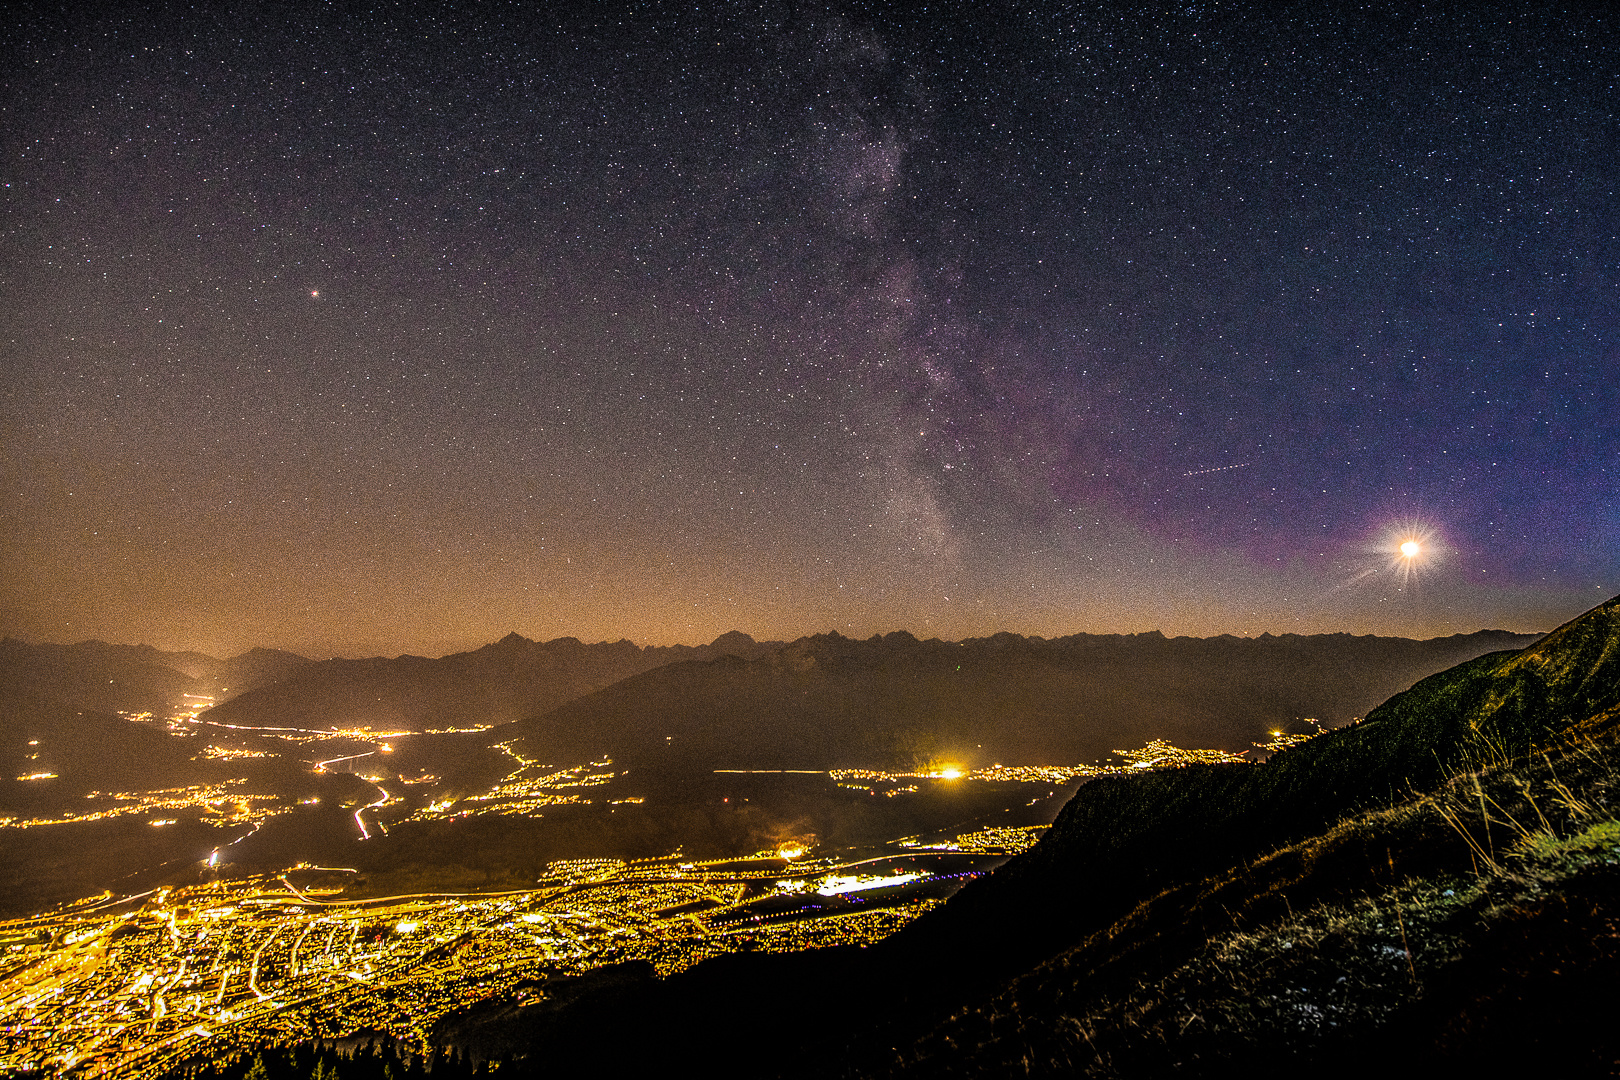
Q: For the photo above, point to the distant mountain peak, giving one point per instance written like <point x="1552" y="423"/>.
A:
<point x="259" y="652"/>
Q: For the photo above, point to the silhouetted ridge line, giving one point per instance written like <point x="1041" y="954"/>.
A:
<point x="1119" y="843"/>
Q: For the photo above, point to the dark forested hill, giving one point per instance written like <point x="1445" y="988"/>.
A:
<point x="825" y="699"/>
<point x="496" y="684"/>
<point x="829" y="701"/>
<point x="93" y="675"/>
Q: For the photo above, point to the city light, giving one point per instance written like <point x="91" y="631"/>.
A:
<point x="133" y="986"/>
<point x="217" y="804"/>
<point x="835" y="886"/>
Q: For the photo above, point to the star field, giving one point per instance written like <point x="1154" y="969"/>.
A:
<point x="399" y="330"/>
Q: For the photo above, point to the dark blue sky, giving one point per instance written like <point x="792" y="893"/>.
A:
<point x="402" y="330"/>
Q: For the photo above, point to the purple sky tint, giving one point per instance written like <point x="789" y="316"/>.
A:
<point x="399" y="331"/>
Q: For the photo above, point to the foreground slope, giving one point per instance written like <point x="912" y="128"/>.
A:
<point x="1165" y="840"/>
<point x="1478" y="926"/>
<point x="1155" y="830"/>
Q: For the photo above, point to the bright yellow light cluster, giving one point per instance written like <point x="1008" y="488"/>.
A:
<point x="1160" y="754"/>
<point x="218" y="804"/>
<point x="526" y="790"/>
<point x="1037" y="774"/>
<point x="868" y="779"/>
<point x="228" y="753"/>
<point x="305" y="735"/>
<point x="999" y="841"/>
<point x="575" y="870"/>
<point x="134" y="986"/>
<point x="1281" y="740"/>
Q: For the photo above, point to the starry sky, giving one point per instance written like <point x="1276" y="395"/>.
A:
<point x="394" y="331"/>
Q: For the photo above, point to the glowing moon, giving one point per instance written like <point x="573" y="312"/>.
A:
<point x="1411" y="549"/>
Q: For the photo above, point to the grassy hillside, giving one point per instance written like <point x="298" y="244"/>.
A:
<point x="1158" y="877"/>
<point x="1122" y="838"/>
<point x="1476" y="924"/>
<point x="1432" y="888"/>
<point x="1351" y="895"/>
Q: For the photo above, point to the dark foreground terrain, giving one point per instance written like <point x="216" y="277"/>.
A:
<point x="1434" y="888"/>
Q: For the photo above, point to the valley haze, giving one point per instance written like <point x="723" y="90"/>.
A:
<point x="462" y="745"/>
<point x="510" y="852"/>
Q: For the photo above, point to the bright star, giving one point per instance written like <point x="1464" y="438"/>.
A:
<point x="1412" y="547"/>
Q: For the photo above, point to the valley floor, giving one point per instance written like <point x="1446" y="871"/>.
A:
<point x="130" y="986"/>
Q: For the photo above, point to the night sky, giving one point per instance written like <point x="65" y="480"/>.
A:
<point x="397" y="332"/>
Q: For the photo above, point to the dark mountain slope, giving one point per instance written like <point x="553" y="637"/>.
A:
<point x="1179" y="825"/>
<point x="250" y="670"/>
<point x="1521" y="921"/>
<point x="1385" y="944"/>
<point x="94" y="675"/>
<point x="85" y="750"/>
<point x="893" y="700"/>
<point x="498" y="683"/>
<point x="1123" y="839"/>
<point x="1121" y="842"/>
